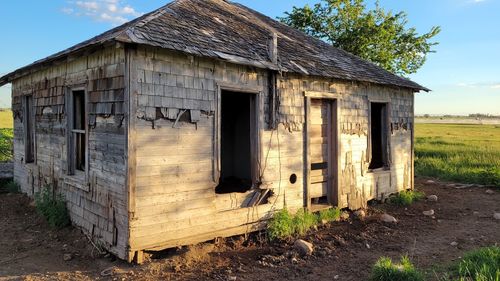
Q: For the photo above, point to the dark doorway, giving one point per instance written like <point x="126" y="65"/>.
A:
<point x="378" y="131"/>
<point x="236" y="142"/>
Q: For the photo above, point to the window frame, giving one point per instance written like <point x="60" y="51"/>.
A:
<point x="387" y="151"/>
<point x="71" y="132"/>
<point x="29" y="129"/>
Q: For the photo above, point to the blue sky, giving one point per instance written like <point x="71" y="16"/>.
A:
<point x="464" y="73"/>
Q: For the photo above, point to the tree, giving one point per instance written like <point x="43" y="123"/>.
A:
<point x="375" y="35"/>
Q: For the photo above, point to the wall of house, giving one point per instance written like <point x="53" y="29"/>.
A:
<point x="174" y="182"/>
<point x="175" y="169"/>
<point x="96" y="204"/>
<point x="357" y="184"/>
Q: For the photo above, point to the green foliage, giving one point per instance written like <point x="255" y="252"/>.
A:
<point x="281" y="225"/>
<point x="52" y="207"/>
<point x="375" y="35"/>
<point x="479" y="265"/>
<point x="284" y="225"/>
<point x="407" y="197"/>
<point x="459" y="153"/>
<point x="303" y="221"/>
<point x="9" y="187"/>
<point x="6" y="137"/>
<point x="385" y="269"/>
<point x="329" y="215"/>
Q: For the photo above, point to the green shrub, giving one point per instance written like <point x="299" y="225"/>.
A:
<point x="52" y="207"/>
<point x="281" y="225"/>
<point x="479" y="265"/>
<point x="405" y="198"/>
<point x="284" y="225"/>
<point x="9" y="187"/>
<point x="329" y="215"/>
<point x="303" y="221"/>
<point x="385" y="269"/>
<point x="6" y="141"/>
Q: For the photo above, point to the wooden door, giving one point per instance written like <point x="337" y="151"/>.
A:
<point x="320" y="147"/>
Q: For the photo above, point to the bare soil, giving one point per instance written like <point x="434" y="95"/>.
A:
<point x="31" y="250"/>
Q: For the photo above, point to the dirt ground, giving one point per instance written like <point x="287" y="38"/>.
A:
<point x="31" y="250"/>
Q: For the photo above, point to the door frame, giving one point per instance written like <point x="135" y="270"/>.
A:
<point x="333" y="152"/>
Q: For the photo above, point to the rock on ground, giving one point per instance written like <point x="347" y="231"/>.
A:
<point x="432" y="198"/>
<point x="428" y="213"/>
<point x="361" y="214"/>
<point x="304" y="248"/>
<point x="388" y="218"/>
<point x="496" y="216"/>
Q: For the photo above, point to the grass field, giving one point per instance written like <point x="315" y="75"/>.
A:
<point x="6" y="134"/>
<point x="6" y="119"/>
<point x="460" y="153"/>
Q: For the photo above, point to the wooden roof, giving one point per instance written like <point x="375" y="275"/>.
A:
<point x="229" y="31"/>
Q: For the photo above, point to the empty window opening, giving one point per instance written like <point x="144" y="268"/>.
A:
<point x="236" y="145"/>
<point x="29" y="138"/>
<point x="77" y="140"/>
<point x="378" y="130"/>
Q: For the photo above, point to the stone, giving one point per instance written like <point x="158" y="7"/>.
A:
<point x="432" y="198"/>
<point x="232" y="278"/>
<point x="323" y="221"/>
<point x="360" y="214"/>
<point x="67" y="257"/>
<point x="430" y="181"/>
<point x="428" y="213"/>
<point x="388" y="218"/>
<point x="454" y="243"/>
<point x="489" y="191"/>
<point x="496" y="216"/>
<point x="344" y="216"/>
<point x="304" y="248"/>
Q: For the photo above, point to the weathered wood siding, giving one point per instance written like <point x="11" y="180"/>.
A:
<point x="174" y="186"/>
<point x="172" y="182"/>
<point x="357" y="185"/>
<point x="102" y="210"/>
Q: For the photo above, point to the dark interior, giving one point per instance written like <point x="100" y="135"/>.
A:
<point x="79" y="124"/>
<point x="236" y="173"/>
<point x="378" y="135"/>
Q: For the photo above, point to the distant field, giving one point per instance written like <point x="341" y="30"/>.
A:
<point x="460" y="153"/>
<point x="6" y="119"/>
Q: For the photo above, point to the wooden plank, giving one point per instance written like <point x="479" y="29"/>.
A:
<point x="319" y="189"/>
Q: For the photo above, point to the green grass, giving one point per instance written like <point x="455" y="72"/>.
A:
<point x="9" y="186"/>
<point x="6" y="136"/>
<point x="406" y="198"/>
<point x="478" y="265"/>
<point x="52" y="207"/>
<point x="281" y="225"/>
<point x="6" y="121"/>
<point x="329" y="215"/>
<point x="386" y="270"/>
<point x="284" y="225"/>
<point x="460" y="153"/>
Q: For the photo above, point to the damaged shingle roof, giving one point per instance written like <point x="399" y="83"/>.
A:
<point x="229" y="31"/>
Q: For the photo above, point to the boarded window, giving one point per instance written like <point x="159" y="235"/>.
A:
<point x="29" y="134"/>
<point x="378" y="136"/>
<point x="77" y="132"/>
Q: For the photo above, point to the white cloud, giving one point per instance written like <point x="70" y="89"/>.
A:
<point x="115" y="12"/>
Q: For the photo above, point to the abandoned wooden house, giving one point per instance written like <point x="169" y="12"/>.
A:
<point x="201" y="119"/>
